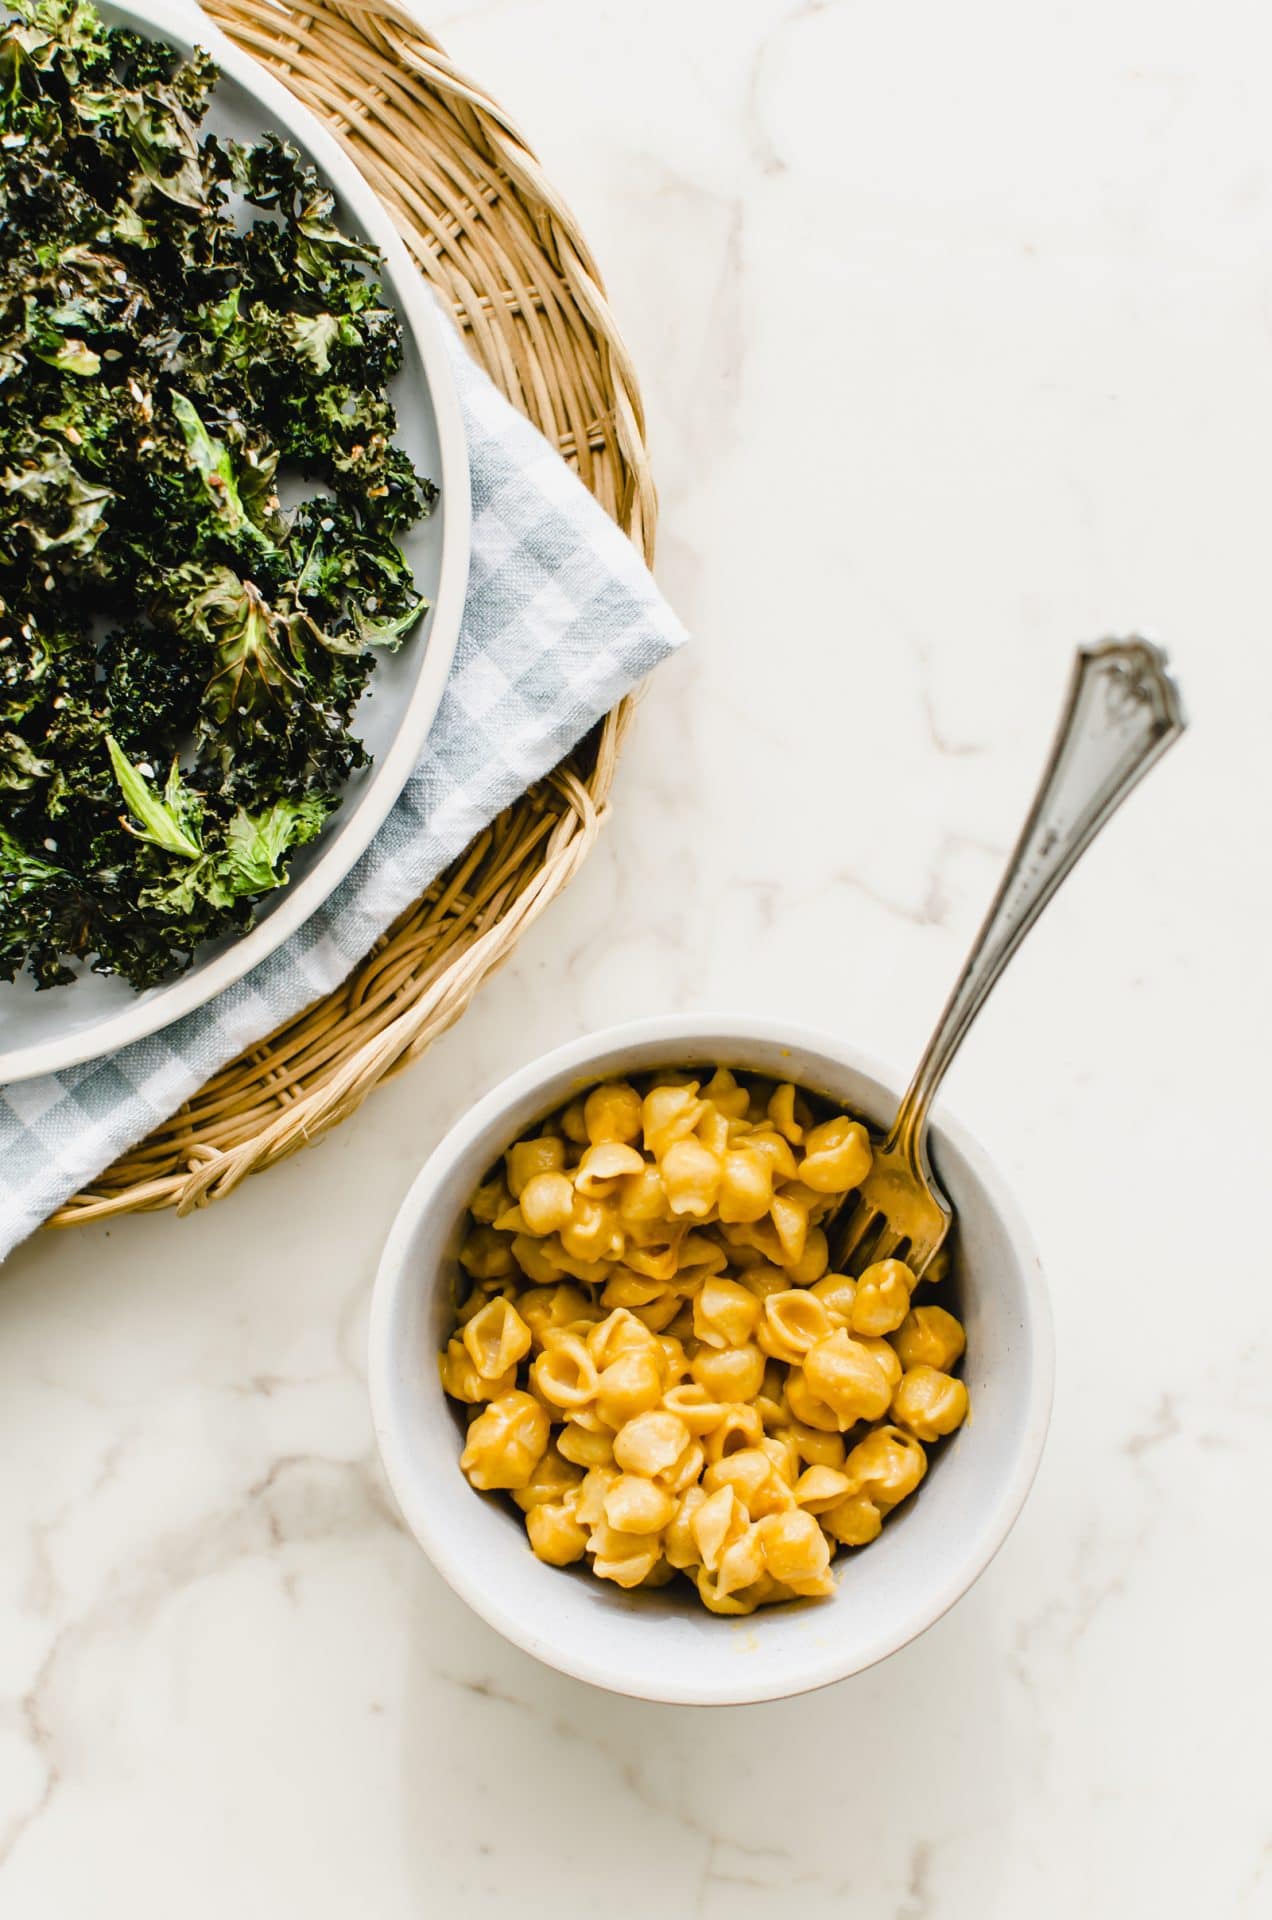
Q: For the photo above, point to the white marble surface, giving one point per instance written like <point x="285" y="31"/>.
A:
<point x="956" y="330"/>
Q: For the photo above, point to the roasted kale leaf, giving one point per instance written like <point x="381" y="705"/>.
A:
<point x="187" y="339"/>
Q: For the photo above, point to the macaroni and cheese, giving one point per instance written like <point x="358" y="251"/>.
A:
<point x="657" y="1363"/>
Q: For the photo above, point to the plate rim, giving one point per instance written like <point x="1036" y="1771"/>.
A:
<point x="183" y="23"/>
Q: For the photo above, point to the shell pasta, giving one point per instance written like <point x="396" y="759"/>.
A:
<point x="655" y="1361"/>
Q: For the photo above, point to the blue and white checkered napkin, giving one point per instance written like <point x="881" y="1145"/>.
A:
<point x="561" y="620"/>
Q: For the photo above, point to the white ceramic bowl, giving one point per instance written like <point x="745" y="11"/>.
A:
<point x="45" y="1032"/>
<point x="662" y="1645"/>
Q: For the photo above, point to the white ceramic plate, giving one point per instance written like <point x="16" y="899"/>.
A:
<point x="43" y="1032"/>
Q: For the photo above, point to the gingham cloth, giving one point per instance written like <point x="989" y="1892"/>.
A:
<point x="561" y="620"/>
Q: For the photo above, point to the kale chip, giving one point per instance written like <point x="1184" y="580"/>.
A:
<point x="186" y="338"/>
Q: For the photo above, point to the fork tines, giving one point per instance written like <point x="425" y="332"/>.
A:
<point x="865" y="1237"/>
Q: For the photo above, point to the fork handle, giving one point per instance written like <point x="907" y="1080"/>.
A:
<point x="1122" y="712"/>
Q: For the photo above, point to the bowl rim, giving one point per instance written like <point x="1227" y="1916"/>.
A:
<point x="392" y="1273"/>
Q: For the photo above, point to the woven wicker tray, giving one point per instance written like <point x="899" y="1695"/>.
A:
<point x="505" y="254"/>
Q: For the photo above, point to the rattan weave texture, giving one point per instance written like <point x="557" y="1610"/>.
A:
<point x="504" y="252"/>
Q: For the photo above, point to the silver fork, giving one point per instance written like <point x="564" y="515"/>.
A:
<point x="1122" y="712"/>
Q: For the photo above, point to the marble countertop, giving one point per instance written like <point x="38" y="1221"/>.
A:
<point x="955" y="327"/>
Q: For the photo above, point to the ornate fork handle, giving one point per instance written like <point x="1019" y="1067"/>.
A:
<point x="1122" y="712"/>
